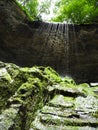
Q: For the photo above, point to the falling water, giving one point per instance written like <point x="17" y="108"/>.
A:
<point x="47" y="28"/>
<point x="57" y="31"/>
<point x="67" y="48"/>
<point x="62" y="30"/>
<point x="59" y="34"/>
<point x="54" y="28"/>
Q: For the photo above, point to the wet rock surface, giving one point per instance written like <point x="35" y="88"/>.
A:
<point x="69" y="49"/>
<point x="65" y="112"/>
<point x="37" y="98"/>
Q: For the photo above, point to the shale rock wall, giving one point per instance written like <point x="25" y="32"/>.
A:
<point x="70" y="49"/>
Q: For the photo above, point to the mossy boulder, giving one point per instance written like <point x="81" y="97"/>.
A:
<point x="37" y="98"/>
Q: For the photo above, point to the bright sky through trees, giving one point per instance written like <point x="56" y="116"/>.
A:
<point x="48" y="13"/>
<point x="73" y="11"/>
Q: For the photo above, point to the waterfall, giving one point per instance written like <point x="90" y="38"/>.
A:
<point x="67" y="48"/>
<point x="58" y="34"/>
<point x="48" y="28"/>
<point x="63" y="30"/>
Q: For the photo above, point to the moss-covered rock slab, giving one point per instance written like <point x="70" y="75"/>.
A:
<point x="37" y="98"/>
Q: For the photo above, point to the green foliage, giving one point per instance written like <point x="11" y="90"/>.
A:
<point x="39" y="9"/>
<point x="35" y="8"/>
<point x="75" y="11"/>
<point x="44" y="7"/>
<point x="30" y="7"/>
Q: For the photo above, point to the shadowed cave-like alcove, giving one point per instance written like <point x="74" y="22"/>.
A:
<point x="70" y="49"/>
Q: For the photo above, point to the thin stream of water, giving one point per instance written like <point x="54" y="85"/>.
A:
<point x="44" y="49"/>
<point x="67" y="47"/>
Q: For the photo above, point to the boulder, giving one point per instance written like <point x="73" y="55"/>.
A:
<point x="37" y="98"/>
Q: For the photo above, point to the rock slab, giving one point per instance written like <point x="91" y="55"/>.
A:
<point x="37" y="98"/>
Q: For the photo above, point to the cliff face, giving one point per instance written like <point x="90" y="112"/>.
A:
<point x="69" y="49"/>
<point x="37" y="98"/>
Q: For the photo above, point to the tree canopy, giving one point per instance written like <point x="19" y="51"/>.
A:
<point x="73" y="11"/>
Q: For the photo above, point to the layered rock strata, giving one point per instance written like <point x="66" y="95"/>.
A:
<point x="70" y="49"/>
<point x="37" y="98"/>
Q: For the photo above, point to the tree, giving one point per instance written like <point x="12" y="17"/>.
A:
<point x="44" y="8"/>
<point x="75" y="11"/>
<point x="30" y="6"/>
<point x="38" y="9"/>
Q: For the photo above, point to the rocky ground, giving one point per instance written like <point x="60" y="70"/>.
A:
<point x="38" y="98"/>
<point x="69" y="49"/>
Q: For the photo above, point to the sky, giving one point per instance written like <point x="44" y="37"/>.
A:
<point x="44" y="16"/>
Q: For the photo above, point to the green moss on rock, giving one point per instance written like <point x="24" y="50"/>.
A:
<point x="38" y="98"/>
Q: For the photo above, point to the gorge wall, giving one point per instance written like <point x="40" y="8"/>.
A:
<point x="70" y="49"/>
